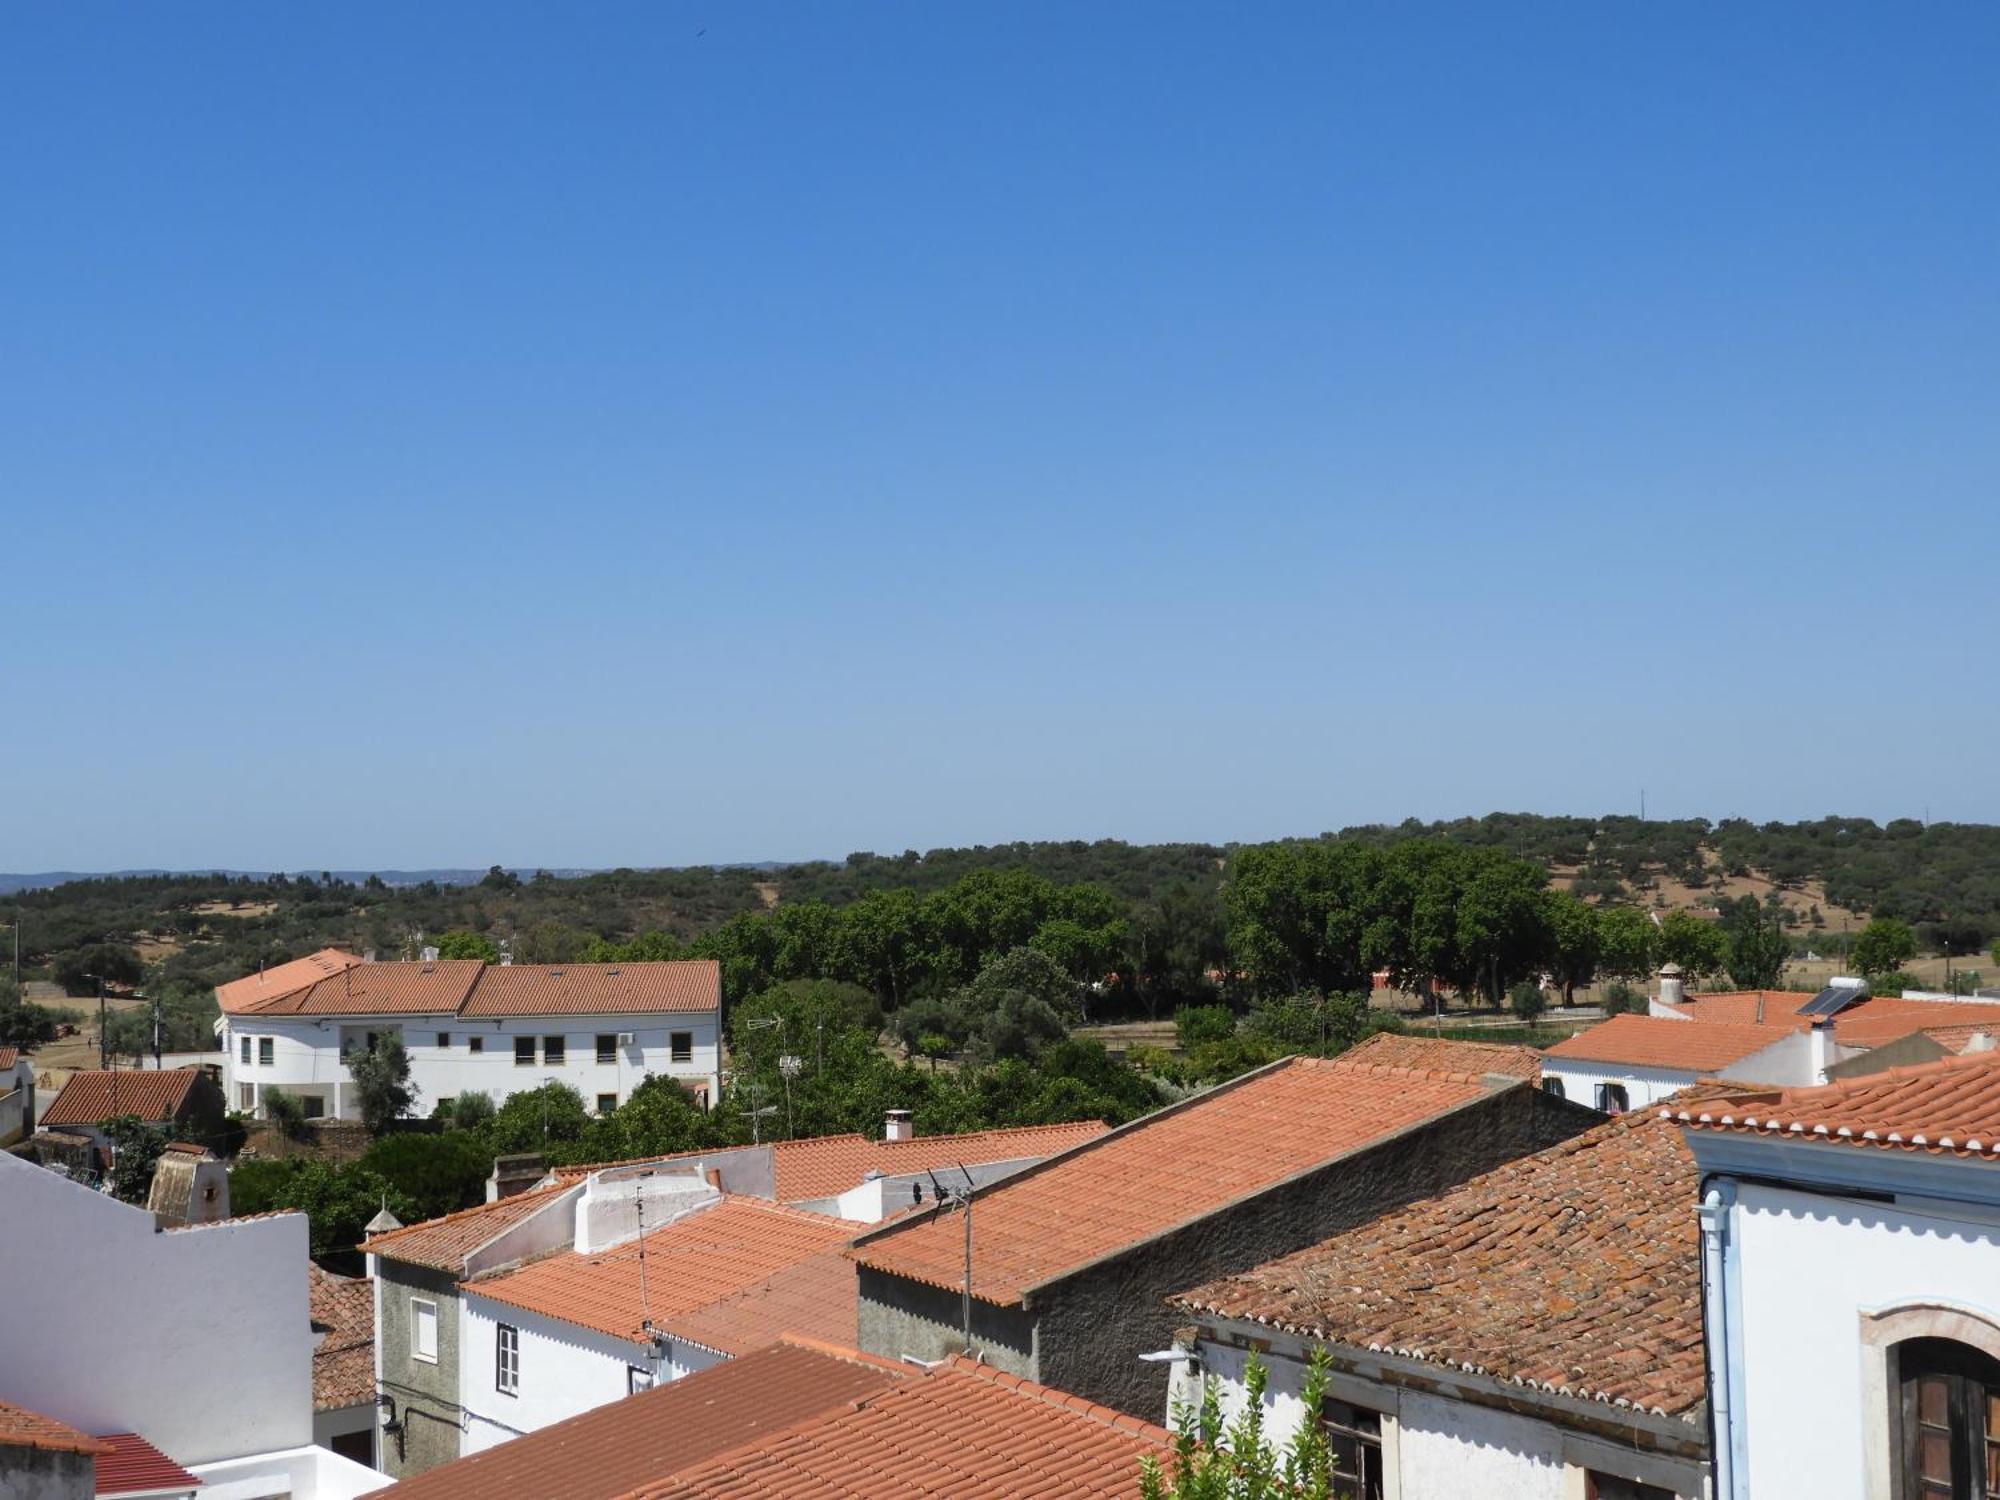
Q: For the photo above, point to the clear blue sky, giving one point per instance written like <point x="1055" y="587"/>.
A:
<point x="652" y="433"/>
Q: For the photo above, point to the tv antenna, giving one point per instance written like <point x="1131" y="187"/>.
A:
<point x="653" y="1337"/>
<point x="950" y="1198"/>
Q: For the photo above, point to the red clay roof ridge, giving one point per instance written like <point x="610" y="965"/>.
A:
<point x="1020" y="1385"/>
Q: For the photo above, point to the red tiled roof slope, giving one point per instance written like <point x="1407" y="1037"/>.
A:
<point x="135" y="1466"/>
<point x="1430" y="1053"/>
<point x="596" y="989"/>
<point x="343" y="1307"/>
<point x="1662" y="1042"/>
<point x="443" y="1244"/>
<point x="1167" y="1169"/>
<point x="399" y="989"/>
<point x="21" y="1428"/>
<point x="101" y="1094"/>
<point x="813" y="1299"/>
<point x="1872" y="1021"/>
<point x="734" y="1247"/>
<point x="8" y="1057"/>
<point x="281" y="979"/>
<point x="606" y="1452"/>
<point x="1951" y="1106"/>
<point x="1577" y="1269"/>
<point x="820" y="1168"/>
<point x="962" y="1431"/>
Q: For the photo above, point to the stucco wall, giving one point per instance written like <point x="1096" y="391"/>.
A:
<point x="898" y="1316"/>
<point x="1643" y="1086"/>
<point x="306" y="1055"/>
<point x="1810" y="1267"/>
<point x="199" y="1338"/>
<point x="564" y="1370"/>
<point x="426" y="1395"/>
<point x="34" y="1474"/>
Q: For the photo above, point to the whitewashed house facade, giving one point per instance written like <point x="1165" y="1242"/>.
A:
<point x="499" y="1029"/>
<point x="1852" y="1241"/>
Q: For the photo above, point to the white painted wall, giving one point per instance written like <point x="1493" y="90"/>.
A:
<point x="1436" y="1448"/>
<point x="306" y="1057"/>
<point x="1644" y="1086"/>
<point x="199" y="1338"/>
<point x="1810" y="1267"/>
<point x="565" y="1370"/>
<point x="304" y="1473"/>
<point x="873" y="1201"/>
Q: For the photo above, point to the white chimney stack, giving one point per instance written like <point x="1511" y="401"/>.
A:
<point x="1820" y="1054"/>
<point x="1672" y="989"/>
<point x="898" y="1126"/>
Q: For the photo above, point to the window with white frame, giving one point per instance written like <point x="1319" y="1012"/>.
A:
<point x="637" y="1380"/>
<point x="246" y="1097"/>
<point x="424" y="1330"/>
<point x="680" y="1046"/>
<point x="552" y="1051"/>
<point x="507" y="1359"/>
<point x="524" y="1052"/>
<point x="607" y="1048"/>
<point x="246" y="1051"/>
<point x="266" y="1051"/>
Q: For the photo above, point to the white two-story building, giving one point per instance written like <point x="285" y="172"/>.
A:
<point x="498" y="1029"/>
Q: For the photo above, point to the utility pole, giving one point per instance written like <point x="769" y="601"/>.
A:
<point x="100" y="1021"/>
<point x="156" y="1034"/>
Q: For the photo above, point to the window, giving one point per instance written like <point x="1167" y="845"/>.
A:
<point x="607" y="1049"/>
<point x="246" y="1052"/>
<point x="552" y="1051"/>
<point x="1950" y="1418"/>
<point x="246" y="1097"/>
<point x="424" y="1330"/>
<point x="637" y="1380"/>
<point x="1354" y="1436"/>
<point x="680" y="1046"/>
<point x="606" y="1103"/>
<point x="1554" y="1087"/>
<point x="507" y="1359"/>
<point x="312" y="1106"/>
<point x="524" y="1052"/>
<point x="444" y="1041"/>
<point x="266" y="1047"/>
<point x="475" y="1044"/>
<point x="1612" y="1099"/>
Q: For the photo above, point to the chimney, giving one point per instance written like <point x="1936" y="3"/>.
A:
<point x="897" y="1127"/>
<point x="1819" y="1048"/>
<point x="1672" y="989"/>
<point x="1979" y="1041"/>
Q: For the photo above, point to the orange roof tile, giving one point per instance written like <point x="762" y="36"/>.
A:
<point x="1662" y="1042"/>
<point x="962" y="1430"/>
<point x="815" y="1298"/>
<point x="21" y="1428"/>
<point x="604" y="1453"/>
<point x="1165" y="1170"/>
<point x="281" y="979"/>
<point x="399" y="989"/>
<point x="1948" y="1106"/>
<point x="8" y="1057"/>
<point x="444" y="1243"/>
<point x="1436" y="1054"/>
<point x="597" y="989"/>
<point x="717" y="1253"/>
<point x="133" y="1466"/>
<point x="1871" y="1021"/>
<point x="343" y="1310"/>
<point x="1749" y="1008"/>
<point x="1576" y="1269"/>
<point x="95" y="1095"/>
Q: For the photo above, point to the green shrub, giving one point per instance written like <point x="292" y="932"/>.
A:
<point x="1198" y="1025"/>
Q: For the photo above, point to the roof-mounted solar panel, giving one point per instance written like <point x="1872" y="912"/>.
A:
<point x="1833" y="999"/>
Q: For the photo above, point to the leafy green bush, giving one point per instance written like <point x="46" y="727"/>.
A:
<point x="1196" y="1025"/>
<point x="438" y="1174"/>
<point x="1620" y="997"/>
<point x="1527" y="1001"/>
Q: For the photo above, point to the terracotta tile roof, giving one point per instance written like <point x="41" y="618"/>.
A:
<point x="1958" y="1038"/>
<point x="1430" y="1053"/>
<point x="135" y="1467"/>
<point x="822" y="1166"/>
<point x="443" y="1244"/>
<point x="99" y="1094"/>
<point x="735" y="1247"/>
<point x="1575" y="1270"/>
<point x="963" y="1431"/>
<point x="21" y="1428"/>
<point x="1873" y="1021"/>
<point x="8" y="1057"/>
<point x="814" y="1299"/>
<point x="343" y="1308"/>
<point x="1951" y="1106"/>
<point x="399" y="989"/>
<point x="606" y="1452"/>
<point x="282" y="979"/>
<point x="1748" y="1008"/>
<point x="1166" y="1170"/>
<point x="597" y="989"/>
<point x="1662" y="1042"/>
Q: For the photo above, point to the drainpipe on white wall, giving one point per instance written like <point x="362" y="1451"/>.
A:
<point x="1716" y="1202"/>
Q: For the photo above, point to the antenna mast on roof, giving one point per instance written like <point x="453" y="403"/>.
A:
<point x="960" y="1198"/>
<point x="645" y="1301"/>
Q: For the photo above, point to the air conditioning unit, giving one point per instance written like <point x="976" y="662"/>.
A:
<point x="624" y="1038"/>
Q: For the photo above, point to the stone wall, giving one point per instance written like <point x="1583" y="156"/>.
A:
<point x="37" y="1474"/>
